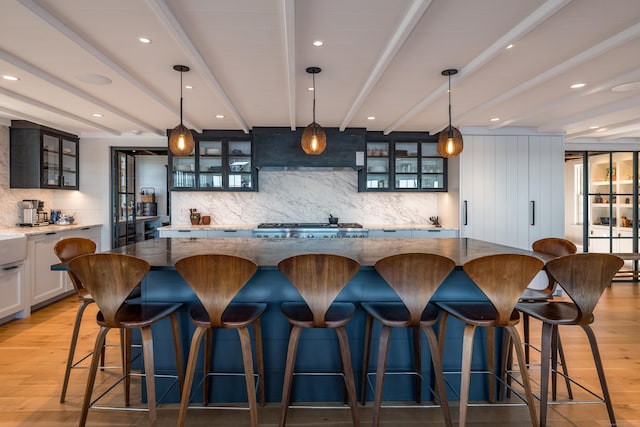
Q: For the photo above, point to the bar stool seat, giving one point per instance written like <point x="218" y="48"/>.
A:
<point x="299" y="314"/>
<point x="414" y="277"/>
<point x="110" y="278"/>
<point x="216" y="280"/>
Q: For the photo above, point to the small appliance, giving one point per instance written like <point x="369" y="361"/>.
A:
<point x="33" y="214"/>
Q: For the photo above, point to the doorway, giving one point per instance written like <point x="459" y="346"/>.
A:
<point x="140" y="201"/>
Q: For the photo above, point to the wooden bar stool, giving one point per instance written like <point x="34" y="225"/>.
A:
<point x="216" y="280"/>
<point x="66" y="250"/>
<point x="557" y="247"/>
<point x="502" y="278"/>
<point x="414" y="277"/>
<point x="584" y="277"/>
<point x="319" y="278"/>
<point x="110" y="278"/>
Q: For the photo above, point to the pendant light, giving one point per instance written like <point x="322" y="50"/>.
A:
<point x="314" y="139"/>
<point x="181" y="139"/>
<point x="450" y="139"/>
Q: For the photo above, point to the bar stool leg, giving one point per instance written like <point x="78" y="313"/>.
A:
<point x="383" y="347"/>
<point x="524" y="373"/>
<point x="491" y="360"/>
<point x="191" y="368"/>
<point x="598" y="362"/>
<point x="206" y="366"/>
<point x="245" y="342"/>
<point x="547" y="331"/>
<point x="565" y="370"/>
<point x="72" y="348"/>
<point x="177" y="346"/>
<point x="465" y="379"/>
<point x="368" y="327"/>
<point x="91" y="379"/>
<point x="343" y="340"/>
<point x="257" y="331"/>
<point x="417" y="363"/>
<point x="125" y="343"/>
<point x="149" y="369"/>
<point x="292" y="350"/>
<point x="437" y="367"/>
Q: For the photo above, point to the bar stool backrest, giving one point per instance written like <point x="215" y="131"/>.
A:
<point x="109" y="278"/>
<point x="503" y="278"/>
<point x="216" y="280"/>
<point x="67" y="249"/>
<point x="415" y="277"/>
<point x="555" y="246"/>
<point x="319" y="278"/>
<point x="584" y="277"/>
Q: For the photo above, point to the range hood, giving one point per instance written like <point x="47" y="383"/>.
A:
<point x="279" y="149"/>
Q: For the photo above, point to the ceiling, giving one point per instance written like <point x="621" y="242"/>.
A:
<point x="380" y="58"/>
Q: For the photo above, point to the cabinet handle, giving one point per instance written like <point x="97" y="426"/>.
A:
<point x="533" y="212"/>
<point x="184" y="231"/>
<point x="230" y="231"/>
<point x="11" y="267"/>
<point x="86" y="228"/>
<point x="51" y="233"/>
<point x="465" y="213"/>
<point x="388" y="231"/>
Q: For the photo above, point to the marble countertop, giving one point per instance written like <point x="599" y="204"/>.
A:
<point x="253" y="226"/>
<point x="33" y="231"/>
<point x="163" y="253"/>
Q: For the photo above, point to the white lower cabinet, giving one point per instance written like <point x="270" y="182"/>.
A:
<point x="434" y="233"/>
<point x="185" y="234"/>
<point x="12" y="289"/>
<point x="46" y="285"/>
<point x="391" y="233"/>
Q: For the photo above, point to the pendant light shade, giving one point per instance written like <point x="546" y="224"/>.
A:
<point x="314" y="139"/>
<point x="181" y="139"/>
<point x="450" y="139"/>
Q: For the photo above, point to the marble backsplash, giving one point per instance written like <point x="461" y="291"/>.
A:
<point x="306" y="196"/>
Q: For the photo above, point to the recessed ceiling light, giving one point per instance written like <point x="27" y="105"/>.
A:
<point x="219" y="116"/>
<point x="626" y="87"/>
<point x="371" y="118"/>
<point x="495" y="119"/>
<point x="188" y="87"/>
<point x="318" y="43"/>
<point x="509" y="46"/>
<point x="136" y="132"/>
<point x="9" y="77"/>
<point x="594" y="127"/>
<point x="144" y="40"/>
<point x="97" y="115"/>
<point x="577" y="85"/>
<point x="601" y="129"/>
<point x="309" y="88"/>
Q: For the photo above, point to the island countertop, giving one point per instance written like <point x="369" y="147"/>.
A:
<point x="163" y="253"/>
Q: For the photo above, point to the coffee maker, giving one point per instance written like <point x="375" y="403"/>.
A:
<point x="33" y="214"/>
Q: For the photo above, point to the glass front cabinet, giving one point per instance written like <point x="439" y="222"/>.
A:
<point x="403" y="166"/>
<point x="218" y="163"/>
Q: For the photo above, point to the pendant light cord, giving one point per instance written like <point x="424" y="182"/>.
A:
<point x="450" y="133"/>
<point x="314" y="97"/>
<point x="181" y="72"/>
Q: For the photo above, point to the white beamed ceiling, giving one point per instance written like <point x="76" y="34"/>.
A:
<point x="380" y="58"/>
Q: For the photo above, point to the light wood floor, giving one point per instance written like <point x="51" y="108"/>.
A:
<point x="33" y="353"/>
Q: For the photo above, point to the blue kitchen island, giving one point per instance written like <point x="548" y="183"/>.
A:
<point x="318" y="348"/>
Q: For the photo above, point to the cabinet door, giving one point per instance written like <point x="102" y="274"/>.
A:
<point x="393" y="233"/>
<point x="546" y="184"/>
<point x="45" y="284"/>
<point x="494" y="189"/>
<point x="11" y="289"/>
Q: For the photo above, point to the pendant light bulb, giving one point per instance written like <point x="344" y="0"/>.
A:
<point x="181" y="141"/>
<point x="450" y="142"/>
<point x="314" y="139"/>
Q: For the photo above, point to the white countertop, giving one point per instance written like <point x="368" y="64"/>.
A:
<point x="33" y="231"/>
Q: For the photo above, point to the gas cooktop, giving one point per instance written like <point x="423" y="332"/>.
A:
<point x="300" y="225"/>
